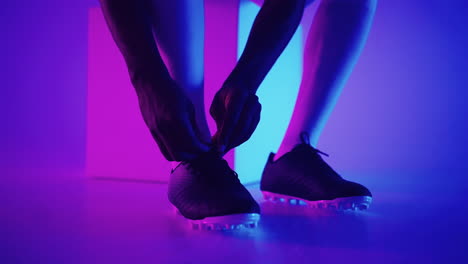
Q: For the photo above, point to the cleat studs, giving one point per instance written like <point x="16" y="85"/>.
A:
<point x="341" y="204"/>
<point x="362" y="207"/>
<point x="222" y="227"/>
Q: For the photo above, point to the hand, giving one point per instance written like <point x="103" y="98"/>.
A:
<point x="237" y="114"/>
<point x="170" y="116"/>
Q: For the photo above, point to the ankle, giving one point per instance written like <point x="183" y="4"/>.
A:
<point x="283" y="149"/>
<point x="289" y="143"/>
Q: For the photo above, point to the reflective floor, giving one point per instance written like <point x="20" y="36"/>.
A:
<point x="58" y="216"/>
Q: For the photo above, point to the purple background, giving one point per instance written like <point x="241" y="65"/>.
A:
<point x="403" y="107"/>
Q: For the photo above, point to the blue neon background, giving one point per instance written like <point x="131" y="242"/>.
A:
<point x="277" y="95"/>
<point x="402" y="107"/>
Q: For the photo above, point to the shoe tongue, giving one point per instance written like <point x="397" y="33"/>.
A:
<point x="312" y="155"/>
<point x="305" y="150"/>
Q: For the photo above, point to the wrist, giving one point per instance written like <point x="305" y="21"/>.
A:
<point x="240" y="83"/>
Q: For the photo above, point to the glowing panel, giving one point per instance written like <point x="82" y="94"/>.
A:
<point x="118" y="142"/>
<point x="277" y="95"/>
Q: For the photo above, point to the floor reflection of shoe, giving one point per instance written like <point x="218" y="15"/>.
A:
<point x="302" y="177"/>
<point x="208" y="193"/>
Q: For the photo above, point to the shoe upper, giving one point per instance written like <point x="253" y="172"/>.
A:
<point x="208" y="187"/>
<point x="303" y="173"/>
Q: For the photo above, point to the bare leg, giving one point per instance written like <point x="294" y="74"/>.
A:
<point x="334" y="43"/>
<point x="179" y="32"/>
<point x="166" y="108"/>
<point x="235" y="106"/>
<point x="272" y="30"/>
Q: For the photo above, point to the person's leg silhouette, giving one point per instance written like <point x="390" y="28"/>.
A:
<point x="297" y="173"/>
<point x="167" y="109"/>
<point x="179" y="28"/>
<point x="202" y="186"/>
<point x="235" y="107"/>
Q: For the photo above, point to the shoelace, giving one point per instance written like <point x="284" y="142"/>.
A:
<point x="305" y="138"/>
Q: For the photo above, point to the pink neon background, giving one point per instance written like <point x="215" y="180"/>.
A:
<point x="118" y="143"/>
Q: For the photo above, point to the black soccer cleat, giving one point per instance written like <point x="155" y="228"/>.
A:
<point x="208" y="193"/>
<point x="302" y="177"/>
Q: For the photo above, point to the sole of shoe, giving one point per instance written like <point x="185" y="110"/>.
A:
<point x="224" y="223"/>
<point x="354" y="203"/>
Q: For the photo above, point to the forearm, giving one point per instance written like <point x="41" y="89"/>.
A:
<point x="272" y="30"/>
<point x="130" y="26"/>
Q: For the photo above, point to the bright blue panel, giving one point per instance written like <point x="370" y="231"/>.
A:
<point x="277" y="95"/>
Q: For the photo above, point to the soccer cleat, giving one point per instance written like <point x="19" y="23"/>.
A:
<point x="302" y="177"/>
<point x="208" y="193"/>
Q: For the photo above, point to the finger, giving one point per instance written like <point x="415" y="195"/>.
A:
<point x="205" y="139"/>
<point x="162" y="146"/>
<point x="183" y="140"/>
<point x="247" y="122"/>
<point x="254" y="123"/>
<point x="243" y="123"/>
<point x="155" y="126"/>
<point x="230" y="119"/>
<point x="215" y="140"/>
<point x="180" y="143"/>
<point x="217" y="111"/>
